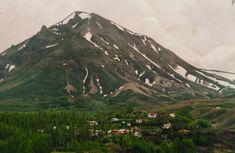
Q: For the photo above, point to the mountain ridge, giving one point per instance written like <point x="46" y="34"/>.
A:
<point x="78" y="55"/>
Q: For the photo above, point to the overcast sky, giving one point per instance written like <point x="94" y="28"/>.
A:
<point x="200" y="31"/>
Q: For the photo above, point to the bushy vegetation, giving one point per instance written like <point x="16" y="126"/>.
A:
<point x="61" y="131"/>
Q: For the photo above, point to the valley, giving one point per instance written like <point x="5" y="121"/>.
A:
<point x="89" y="85"/>
<point x="181" y="127"/>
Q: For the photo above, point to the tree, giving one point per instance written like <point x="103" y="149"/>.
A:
<point x="72" y="146"/>
<point x="22" y="146"/>
<point x="166" y="146"/>
<point x="183" y="146"/>
<point x="41" y="143"/>
<point x="3" y="146"/>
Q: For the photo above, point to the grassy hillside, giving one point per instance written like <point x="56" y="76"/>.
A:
<point x="221" y="112"/>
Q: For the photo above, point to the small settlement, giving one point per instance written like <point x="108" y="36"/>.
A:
<point x="150" y="124"/>
<point x="138" y="124"/>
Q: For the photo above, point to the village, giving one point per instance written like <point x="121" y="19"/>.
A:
<point x="140" y="124"/>
<point x="128" y="130"/>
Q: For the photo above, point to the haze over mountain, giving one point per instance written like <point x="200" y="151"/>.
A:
<point x="88" y="55"/>
<point x="197" y="39"/>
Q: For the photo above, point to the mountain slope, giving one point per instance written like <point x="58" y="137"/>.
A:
<point x="88" y="55"/>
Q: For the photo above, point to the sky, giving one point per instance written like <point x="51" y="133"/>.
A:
<point x="199" y="31"/>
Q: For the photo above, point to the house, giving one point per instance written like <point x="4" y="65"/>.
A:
<point x="93" y="123"/>
<point x="152" y="115"/>
<point x="184" y="131"/>
<point x="136" y="131"/>
<point x="123" y="131"/>
<point x="139" y="121"/>
<point x="138" y="134"/>
<point x="115" y="120"/>
<point x="119" y="132"/>
<point x="172" y="115"/>
<point x="67" y="127"/>
<point x="166" y="126"/>
<point x="95" y="132"/>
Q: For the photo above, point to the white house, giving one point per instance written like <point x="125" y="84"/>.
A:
<point x="152" y="115"/>
<point x="172" y="115"/>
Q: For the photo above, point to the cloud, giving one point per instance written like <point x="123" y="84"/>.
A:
<point x="193" y="29"/>
<point x="220" y="58"/>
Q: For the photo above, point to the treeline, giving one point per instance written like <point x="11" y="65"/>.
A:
<point x="45" y="132"/>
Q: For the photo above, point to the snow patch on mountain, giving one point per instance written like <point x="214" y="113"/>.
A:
<point x="3" y="53"/>
<point x="180" y="70"/>
<point x="159" y="49"/>
<point x="142" y="74"/>
<point x="84" y="80"/>
<point x="88" y="37"/>
<point x="149" y="67"/>
<point x="115" y="46"/>
<point x="50" y="46"/>
<point x="154" y="48"/>
<point x="74" y="26"/>
<point x="118" y="26"/>
<point x="106" y="53"/>
<point x="10" y="67"/>
<point x="126" y="62"/>
<point x="100" y="87"/>
<point x="104" y="41"/>
<point x="84" y="16"/>
<point x="137" y="50"/>
<point x="117" y="58"/>
<point x="148" y="82"/>
<point x="224" y="83"/>
<point x="22" y="47"/>
<point x="120" y="88"/>
<point x="56" y="31"/>
<point x="99" y="25"/>
<point x="136" y="72"/>
<point x="144" y="40"/>
<point x="6" y="67"/>
<point x="191" y="78"/>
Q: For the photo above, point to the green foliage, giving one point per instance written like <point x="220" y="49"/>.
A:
<point x="184" y="146"/>
<point x="72" y="146"/>
<point x="135" y="145"/>
<point x="202" y="123"/>
<point x="200" y="138"/>
<point x="41" y="143"/>
<point x="166" y="147"/>
<point x="43" y="132"/>
<point x="85" y="146"/>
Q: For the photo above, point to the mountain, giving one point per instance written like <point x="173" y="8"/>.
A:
<point x="86" y="55"/>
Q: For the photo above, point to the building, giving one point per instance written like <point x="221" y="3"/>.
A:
<point x="115" y="120"/>
<point x="152" y="115"/>
<point x="184" y="131"/>
<point x="93" y="123"/>
<point x="119" y="132"/>
<point x="139" y="121"/>
<point x="166" y="126"/>
<point x="136" y="132"/>
<point x="172" y="115"/>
